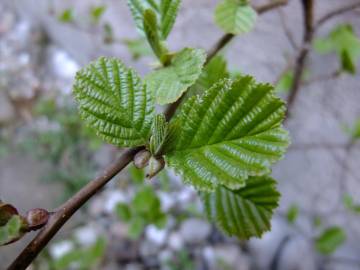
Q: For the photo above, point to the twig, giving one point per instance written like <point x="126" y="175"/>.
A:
<point x="308" y="10"/>
<point x="336" y="12"/>
<point x="325" y="77"/>
<point x="287" y="31"/>
<point x="64" y="212"/>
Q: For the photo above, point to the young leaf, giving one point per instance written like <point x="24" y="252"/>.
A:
<point x="152" y="35"/>
<point x="168" y="12"/>
<point x="159" y="133"/>
<point x="235" y="16"/>
<point x="170" y="82"/>
<point x="350" y="204"/>
<point x="330" y="240"/>
<point x="213" y="72"/>
<point x="113" y="101"/>
<point x="230" y="133"/>
<point x="245" y="212"/>
<point x="138" y="7"/>
<point x="165" y="13"/>
<point x="342" y="40"/>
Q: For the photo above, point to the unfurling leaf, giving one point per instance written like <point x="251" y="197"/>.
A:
<point x="231" y="132"/>
<point x="245" y="212"/>
<point x="159" y="133"/>
<point x="170" y="82"/>
<point x="165" y="11"/>
<point x="235" y="17"/>
<point x="343" y="41"/>
<point x="330" y="240"/>
<point x="152" y="35"/>
<point x="113" y="101"/>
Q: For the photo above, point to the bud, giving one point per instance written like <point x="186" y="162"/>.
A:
<point x="141" y="159"/>
<point x="155" y="166"/>
<point x="37" y="218"/>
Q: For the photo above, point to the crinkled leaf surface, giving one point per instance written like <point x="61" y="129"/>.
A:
<point x="159" y="133"/>
<point x="245" y="212"/>
<point x="214" y="71"/>
<point x="342" y="40"/>
<point x="113" y="101"/>
<point x="235" y="16"/>
<point x="165" y="10"/>
<point x="170" y="82"/>
<point x="230" y="133"/>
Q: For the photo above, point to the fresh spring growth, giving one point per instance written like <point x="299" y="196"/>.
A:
<point x="225" y="136"/>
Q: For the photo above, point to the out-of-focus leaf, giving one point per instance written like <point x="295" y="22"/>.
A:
<point x="343" y="41"/>
<point x="330" y="240"/>
<point x="12" y="230"/>
<point x="235" y="16"/>
<point x="292" y="213"/>
<point x="67" y="16"/>
<point x="350" y="204"/>
<point x="123" y="211"/>
<point x="96" y="13"/>
<point x="138" y="48"/>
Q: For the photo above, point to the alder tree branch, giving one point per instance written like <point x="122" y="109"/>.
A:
<point x="335" y="13"/>
<point x="62" y="214"/>
<point x="308" y="17"/>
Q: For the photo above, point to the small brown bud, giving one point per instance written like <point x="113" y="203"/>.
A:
<point x="155" y="166"/>
<point x="37" y="218"/>
<point x="141" y="159"/>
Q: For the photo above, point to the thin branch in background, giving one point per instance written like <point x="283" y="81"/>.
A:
<point x="287" y="31"/>
<point x="335" y="74"/>
<point x="308" y="17"/>
<point x="336" y="12"/>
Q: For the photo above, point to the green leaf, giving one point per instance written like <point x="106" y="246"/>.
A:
<point x="145" y="200"/>
<point x="230" y="133"/>
<point x="235" y="17"/>
<point x="138" y="47"/>
<point x="159" y="133"/>
<point x="245" y="212"/>
<point x="83" y="258"/>
<point x="213" y="72"/>
<point x="165" y="11"/>
<point x="96" y="12"/>
<point x="168" y="12"/>
<point x="285" y="82"/>
<point x="108" y="35"/>
<point x="170" y="82"/>
<point x="12" y="230"/>
<point x="330" y="240"/>
<point x="123" y="211"/>
<point x="292" y="213"/>
<point x="347" y="63"/>
<point x="350" y="204"/>
<point x="113" y="101"/>
<point x="152" y="35"/>
<point x="137" y="175"/>
<point x="343" y="41"/>
<point x="67" y="16"/>
<point x="136" y="227"/>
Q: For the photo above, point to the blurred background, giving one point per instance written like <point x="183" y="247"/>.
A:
<point x="46" y="154"/>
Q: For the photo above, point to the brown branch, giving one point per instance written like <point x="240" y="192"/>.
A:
<point x="335" y="13"/>
<point x="308" y="14"/>
<point x="64" y="212"/>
